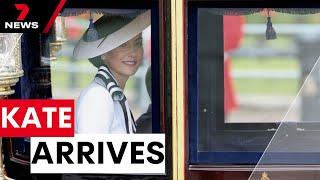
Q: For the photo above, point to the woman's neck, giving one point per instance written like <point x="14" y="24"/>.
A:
<point x="122" y="80"/>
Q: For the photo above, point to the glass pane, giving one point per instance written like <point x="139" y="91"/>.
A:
<point x="71" y="76"/>
<point x="10" y="54"/>
<point x="246" y="83"/>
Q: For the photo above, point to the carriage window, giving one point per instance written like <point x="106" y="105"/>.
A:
<point x="123" y="55"/>
<point x="248" y="67"/>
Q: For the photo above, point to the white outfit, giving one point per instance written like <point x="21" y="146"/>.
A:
<point x="97" y="112"/>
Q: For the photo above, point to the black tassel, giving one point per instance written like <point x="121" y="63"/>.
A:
<point x="92" y="33"/>
<point x="270" y="32"/>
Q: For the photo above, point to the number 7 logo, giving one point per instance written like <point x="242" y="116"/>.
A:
<point x="24" y="8"/>
<point x="24" y="11"/>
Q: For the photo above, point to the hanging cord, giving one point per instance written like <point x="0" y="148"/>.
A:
<point x="92" y="33"/>
<point x="270" y="32"/>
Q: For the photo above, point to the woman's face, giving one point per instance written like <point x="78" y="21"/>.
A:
<point x="125" y="59"/>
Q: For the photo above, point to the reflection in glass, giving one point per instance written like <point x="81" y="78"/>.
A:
<point x="292" y="143"/>
<point x="10" y="58"/>
<point x="10" y="62"/>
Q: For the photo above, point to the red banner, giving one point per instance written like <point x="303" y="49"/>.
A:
<point x="26" y="118"/>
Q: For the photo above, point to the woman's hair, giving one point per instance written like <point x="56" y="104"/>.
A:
<point x="97" y="61"/>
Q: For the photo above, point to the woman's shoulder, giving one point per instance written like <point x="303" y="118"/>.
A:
<point x="94" y="110"/>
<point x="95" y="91"/>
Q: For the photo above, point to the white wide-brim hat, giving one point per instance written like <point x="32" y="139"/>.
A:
<point x="112" y="31"/>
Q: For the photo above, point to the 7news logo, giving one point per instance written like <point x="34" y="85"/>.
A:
<point x="20" y="23"/>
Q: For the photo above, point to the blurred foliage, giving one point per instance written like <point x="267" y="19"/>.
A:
<point x="274" y="63"/>
<point x="266" y="86"/>
<point x="282" y="41"/>
<point x="283" y="18"/>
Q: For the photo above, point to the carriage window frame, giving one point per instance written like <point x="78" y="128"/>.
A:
<point x="156" y="73"/>
<point x="227" y="130"/>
